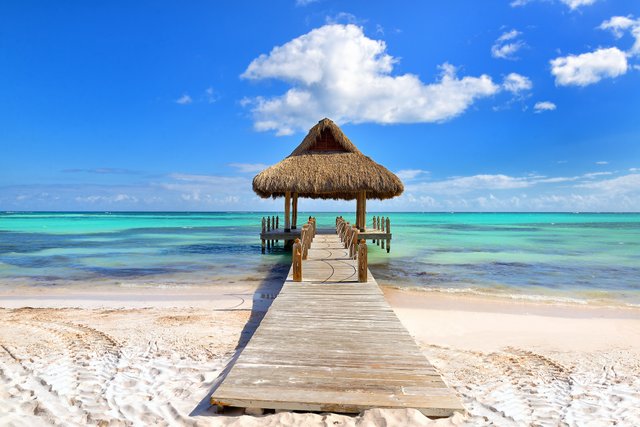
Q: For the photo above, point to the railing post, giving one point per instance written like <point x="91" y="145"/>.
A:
<point x="297" y="261"/>
<point x="389" y="233"/>
<point x="264" y="226"/>
<point x="353" y="248"/>
<point x="362" y="261"/>
<point x="382" y="230"/>
<point x="305" y="240"/>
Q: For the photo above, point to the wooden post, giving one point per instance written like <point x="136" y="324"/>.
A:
<point x="358" y="208"/>
<point x="378" y="227"/>
<point x="382" y="230"/>
<point x="294" y="211"/>
<point x="278" y="221"/>
<point x="389" y="233"/>
<point x="297" y="261"/>
<point x="273" y="227"/>
<point x="264" y="226"/>
<point x="363" y="210"/>
<point x="373" y="225"/>
<point x="305" y="241"/>
<point x="347" y="235"/>
<point x="287" y="208"/>
<point x="268" y="229"/>
<point x="362" y="261"/>
<point x="353" y="249"/>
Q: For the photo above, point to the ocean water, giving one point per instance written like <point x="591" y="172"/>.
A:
<point x="544" y="256"/>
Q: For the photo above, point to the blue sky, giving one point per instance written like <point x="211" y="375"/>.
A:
<point x="478" y="106"/>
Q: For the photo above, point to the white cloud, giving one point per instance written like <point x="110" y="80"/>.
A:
<point x="249" y="167"/>
<point x="338" y="72"/>
<point x="464" y="184"/>
<point x="184" y="100"/>
<point x="572" y="4"/>
<point x="602" y="162"/>
<point x="411" y="174"/>
<point x="634" y="169"/>
<point x="541" y="106"/>
<point x="506" y="46"/>
<point x="344" y="18"/>
<point x="107" y="199"/>
<point x="592" y="175"/>
<point x="589" y="68"/>
<point x="210" y="95"/>
<point x="622" y="184"/>
<point x="618" y="25"/>
<point x="305" y="2"/>
<point x="516" y="83"/>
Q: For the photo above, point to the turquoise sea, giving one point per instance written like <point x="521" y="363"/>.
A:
<point x="545" y="256"/>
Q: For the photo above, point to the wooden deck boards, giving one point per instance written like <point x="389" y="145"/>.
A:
<point x="332" y="344"/>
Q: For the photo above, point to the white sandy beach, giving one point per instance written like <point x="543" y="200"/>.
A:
<point x="141" y="357"/>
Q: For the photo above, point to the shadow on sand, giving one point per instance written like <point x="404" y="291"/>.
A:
<point x="264" y="295"/>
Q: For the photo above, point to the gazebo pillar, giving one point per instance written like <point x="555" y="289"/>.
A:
<point x="294" y="211"/>
<point x="363" y="210"/>
<point x="287" y="208"/>
<point x="358" y="207"/>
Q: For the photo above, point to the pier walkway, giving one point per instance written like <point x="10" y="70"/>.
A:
<point x="329" y="343"/>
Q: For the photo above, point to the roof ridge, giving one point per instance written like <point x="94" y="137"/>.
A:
<point x="325" y="124"/>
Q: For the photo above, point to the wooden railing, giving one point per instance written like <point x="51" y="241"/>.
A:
<point x="301" y="247"/>
<point x="269" y="223"/>
<point x="382" y="225"/>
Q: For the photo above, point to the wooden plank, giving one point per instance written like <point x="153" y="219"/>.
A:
<point x="329" y="343"/>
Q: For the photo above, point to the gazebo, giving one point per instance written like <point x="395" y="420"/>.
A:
<point x="326" y="165"/>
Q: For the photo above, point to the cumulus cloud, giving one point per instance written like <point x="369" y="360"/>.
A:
<point x="507" y="45"/>
<point x="516" y="83"/>
<point x="184" y="100"/>
<point x="618" y="25"/>
<point x="336" y="71"/>
<point x="541" y="106"/>
<point x="572" y="4"/>
<point x="589" y="68"/>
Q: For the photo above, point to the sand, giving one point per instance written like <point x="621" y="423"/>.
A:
<point x="131" y="357"/>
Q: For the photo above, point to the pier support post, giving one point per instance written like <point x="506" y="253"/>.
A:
<point x="297" y="261"/>
<point x="389" y="233"/>
<point x="268" y="229"/>
<point x="264" y="227"/>
<point x="287" y="208"/>
<point x="382" y="230"/>
<point x="273" y="227"/>
<point x="373" y="225"/>
<point x="362" y="261"/>
<point x="294" y="211"/>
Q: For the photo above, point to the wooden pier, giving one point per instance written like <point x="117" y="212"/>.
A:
<point x="272" y="232"/>
<point x="330" y="343"/>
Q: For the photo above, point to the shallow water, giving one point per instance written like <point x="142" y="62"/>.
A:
<point x="546" y="256"/>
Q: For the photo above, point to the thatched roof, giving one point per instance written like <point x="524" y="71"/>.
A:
<point x="326" y="165"/>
